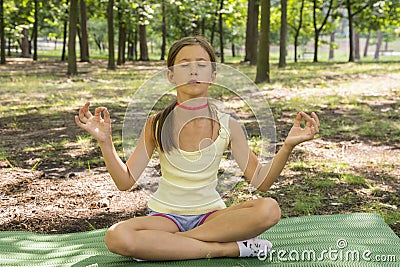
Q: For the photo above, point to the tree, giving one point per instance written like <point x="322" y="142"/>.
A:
<point x="283" y="33"/>
<point x="84" y="31"/>
<point x="262" y="74"/>
<point x="296" y="24"/>
<point x="2" y="35"/>
<point x="252" y="32"/>
<point x="221" y="31"/>
<point x="121" y="33"/>
<point x="353" y="8"/>
<point x="73" y="21"/>
<point x="378" y="45"/>
<point x="65" y="32"/>
<point x="143" y="15"/>
<point x="110" y="23"/>
<point x="317" y="30"/>
<point x="35" y="29"/>
<point x="163" y="31"/>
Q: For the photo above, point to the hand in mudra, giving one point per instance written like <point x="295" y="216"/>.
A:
<point x="298" y="134"/>
<point x="98" y="127"/>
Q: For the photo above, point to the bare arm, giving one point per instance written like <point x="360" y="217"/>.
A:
<point x="263" y="176"/>
<point x="100" y="129"/>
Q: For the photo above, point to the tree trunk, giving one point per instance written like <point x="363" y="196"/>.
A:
<point x="331" y="46"/>
<point x="121" y="36"/>
<point x="297" y="32"/>
<point x="163" y="31"/>
<point x="73" y="21"/>
<point x="2" y="35"/>
<point x="283" y="33"/>
<point x="367" y="44"/>
<point x="252" y="32"/>
<point x="121" y="43"/>
<point x="316" y="41"/>
<point x="221" y="31"/>
<point x="378" y="45"/>
<point x="35" y="30"/>
<point x="135" y="46"/>
<point x="65" y="34"/>
<point x="351" y="45"/>
<point x="356" y="46"/>
<point x="144" y="54"/>
<point x="84" y="32"/>
<point x="110" y="24"/>
<point x="318" y="30"/>
<point x="214" y="25"/>
<point x="25" y="43"/>
<point x="262" y="74"/>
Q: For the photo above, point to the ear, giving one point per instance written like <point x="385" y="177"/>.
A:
<point x="170" y="76"/>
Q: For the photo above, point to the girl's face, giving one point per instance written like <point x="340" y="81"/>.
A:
<point x="192" y="72"/>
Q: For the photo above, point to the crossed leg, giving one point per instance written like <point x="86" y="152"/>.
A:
<point x="158" y="238"/>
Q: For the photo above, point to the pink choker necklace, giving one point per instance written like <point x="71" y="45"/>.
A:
<point x="191" y="108"/>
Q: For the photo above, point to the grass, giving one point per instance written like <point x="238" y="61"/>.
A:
<point x="358" y="104"/>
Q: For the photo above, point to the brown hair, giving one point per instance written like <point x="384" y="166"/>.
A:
<point x="160" y="118"/>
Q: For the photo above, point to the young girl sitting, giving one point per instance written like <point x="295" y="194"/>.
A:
<point x="187" y="218"/>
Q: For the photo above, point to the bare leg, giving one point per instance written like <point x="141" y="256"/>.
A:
<point x="156" y="238"/>
<point x="239" y="222"/>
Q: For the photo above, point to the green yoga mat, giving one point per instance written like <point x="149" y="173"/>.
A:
<point x="358" y="239"/>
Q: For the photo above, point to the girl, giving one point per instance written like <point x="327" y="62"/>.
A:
<point x="187" y="218"/>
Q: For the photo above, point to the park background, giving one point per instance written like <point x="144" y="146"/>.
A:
<point x="53" y="179"/>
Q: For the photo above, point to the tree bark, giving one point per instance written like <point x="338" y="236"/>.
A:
<point x="221" y="31"/>
<point x="297" y="30"/>
<point x="356" y="46"/>
<point x="144" y="54"/>
<point x="317" y="30"/>
<point x="35" y="30"/>
<point x="25" y="43"/>
<point x="351" y="36"/>
<point x="65" y="34"/>
<point x="84" y="32"/>
<point x="2" y="35"/>
<point x="331" y="45"/>
<point x="283" y="33"/>
<point x="252" y="32"/>
<point x="163" y="31"/>
<point x="367" y="44"/>
<point x="121" y="36"/>
<point x="262" y="74"/>
<point x="110" y="24"/>
<point x="73" y="20"/>
<point x="378" y="45"/>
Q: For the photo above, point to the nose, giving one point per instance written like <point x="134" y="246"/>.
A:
<point x="193" y="68"/>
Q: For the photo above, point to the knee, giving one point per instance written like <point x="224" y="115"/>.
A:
<point x="269" y="212"/>
<point x="120" y="240"/>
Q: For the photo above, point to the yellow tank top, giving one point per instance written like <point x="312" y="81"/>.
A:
<point x="189" y="179"/>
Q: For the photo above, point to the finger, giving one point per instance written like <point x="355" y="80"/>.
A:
<point x="316" y="120"/>
<point x="79" y="123"/>
<point x="86" y="110"/>
<point x="309" y="121"/>
<point x="315" y="117"/>
<point x="298" y="120"/>
<point x="82" y="115"/>
<point x="97" y="111"/>
<point x="106" y="116"/>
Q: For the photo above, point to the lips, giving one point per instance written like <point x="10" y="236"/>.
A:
<point x="193" y="82"/>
